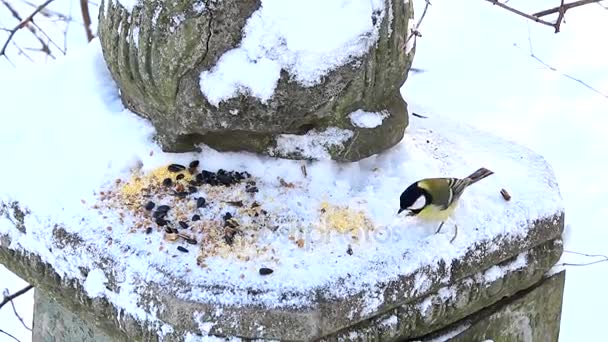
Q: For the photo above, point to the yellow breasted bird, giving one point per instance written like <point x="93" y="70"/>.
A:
<point x="434" y="199"/>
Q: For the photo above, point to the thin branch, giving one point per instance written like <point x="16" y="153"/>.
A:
<point x="577" y="80"/>
<point x="16" y="313"/>
<point x="560" y="17"/>
<point x="15" y="295"/>
<point x="518" y="12"/>
<point x="561" y="10"/>
<point x="9" y="335"/>
<point x="416" y="30"/>
<point x="86" y="19"/>
<point x="604" y="258"/>
<point x="22" y="24"/>
<point x="565" y="7"/>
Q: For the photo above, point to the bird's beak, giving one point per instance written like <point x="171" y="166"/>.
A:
<point x="408" y="212"/>
<point x="400" y="210"/>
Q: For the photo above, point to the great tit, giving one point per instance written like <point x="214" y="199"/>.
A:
<point x="434" y="199"/>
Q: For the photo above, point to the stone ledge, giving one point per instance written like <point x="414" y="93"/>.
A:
<point x="400" y="298"/>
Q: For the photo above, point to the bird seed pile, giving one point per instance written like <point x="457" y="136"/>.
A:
<point x="214" y="213"/>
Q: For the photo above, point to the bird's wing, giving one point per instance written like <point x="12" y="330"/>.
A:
<point x="440" y="188"/>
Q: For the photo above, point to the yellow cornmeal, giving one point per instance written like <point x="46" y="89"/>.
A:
<point x="343" y="219"/>
<point x="139" y="181"/>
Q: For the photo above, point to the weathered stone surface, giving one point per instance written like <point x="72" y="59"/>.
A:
<point x="52" y="322"/>
<point x="532" y="315"/>
<point x="329" y="318"/>
<point x="157" y="52"/>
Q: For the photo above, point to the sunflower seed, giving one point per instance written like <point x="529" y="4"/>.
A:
<point x="182" y="249"/>
<point x="196" y="217"/>
<point x="183" y="224"/>
<point x="265" y="271"/>
<point x="176" y="168"/>
<point x="149" y="206"/>
<point x="194" y="164"/>
<point x="167" y="182"/>
<point x="163" y="208"/>
<point x="200" y="202"/>
<point x="148" y="230"/>
<point x="180" y="176"/>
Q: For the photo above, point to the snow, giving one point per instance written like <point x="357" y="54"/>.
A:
<point x="495" y="272"/>
<point x="313" y="144"/>
<point x="94" y="283"/>
<point x="306" y="38"/>
<point x="367" y="191"/>
<point x="127" y="4"/>
<point x="363" y="119"/>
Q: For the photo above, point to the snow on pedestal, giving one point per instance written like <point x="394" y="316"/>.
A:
<point x="314" y="249"/>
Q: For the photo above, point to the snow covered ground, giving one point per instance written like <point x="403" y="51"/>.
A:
<point x="477" y="75"/>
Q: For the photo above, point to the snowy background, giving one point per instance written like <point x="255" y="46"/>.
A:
<point x="479" y="70"/>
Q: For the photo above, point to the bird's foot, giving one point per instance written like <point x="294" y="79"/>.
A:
<point x="440" y="225"/>
<point x="455" y="233"/>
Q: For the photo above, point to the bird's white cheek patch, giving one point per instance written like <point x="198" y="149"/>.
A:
<point x="419" y="204"/>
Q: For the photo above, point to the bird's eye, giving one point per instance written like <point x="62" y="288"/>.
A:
<point x="418" y="204"/>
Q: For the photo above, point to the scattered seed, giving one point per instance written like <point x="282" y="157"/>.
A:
<point x="251" y="189"/>
<point x="174" y="230"/>
<point x="182" y="249"/>
<point x="149" y="206"/>
<point x="188" y="239"/>
<point x="505" y="195"/>
<point x="265" y="271"/>
<point x="227" y="216"/>
<point x="225" y="179"/>
<point x="165" y="208"/>
<point x="196" y="217"/>
<point x="235" y="203"/>
<point x="148" y="230"/>
<point x="194" y="164"/>
<point x="200" y="202"/>
<point x="168" y="230"/>
<point x="192" y="189"/>
<point x="161" y="221"/>
<point x="183" y="224"/>
<point x="176" y="168"/>
<point x="349" y="250"/>
<point x="180" y="176"/>
<point x="167" y="182"/>
<point x="255" y="204"/>
<point x="159" y="214"/>
<point x="181" y="194"/>
<point x="232" y="223"/>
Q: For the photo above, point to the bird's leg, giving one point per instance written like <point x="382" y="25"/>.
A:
<point x="455" y="233"/>
<point x="440" y="225"/>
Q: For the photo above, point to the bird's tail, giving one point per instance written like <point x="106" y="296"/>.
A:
<point x="479" y="175"/>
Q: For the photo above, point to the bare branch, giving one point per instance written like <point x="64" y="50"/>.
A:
<point x="86" y="19"/>
<point x="15" y="295"/>
<point x="416" y="30"/>
<point x="604" y="258"/>
<point x="9" y="335"/>
<point x="564" y="7"/>
<point x="581" y="82"/>
<point x="518" y="12"/>
<point x="6" y="293"/>
<point x="561" y="10"/>
<point x="24" y="23"/>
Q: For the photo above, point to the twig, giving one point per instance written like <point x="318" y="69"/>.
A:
<point x="577" y="80"/>
<point x="22" y="24"/>
<point x="561" y="9"/>
<point x="15" y="295"/>
<point x="415" y="31"/>
<point x="9" y="335"/>
<point x="604" y="258"/>
<point x="16" y="313"/>
<point x="518" y="12"/>
<point x="564" y="7"/>
<point x="86" y="19"/>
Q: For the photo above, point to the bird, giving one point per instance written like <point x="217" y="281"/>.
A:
<point x="434" y="199"/>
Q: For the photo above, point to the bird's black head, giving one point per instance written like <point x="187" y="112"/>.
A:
<point x="414" y="199"/>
